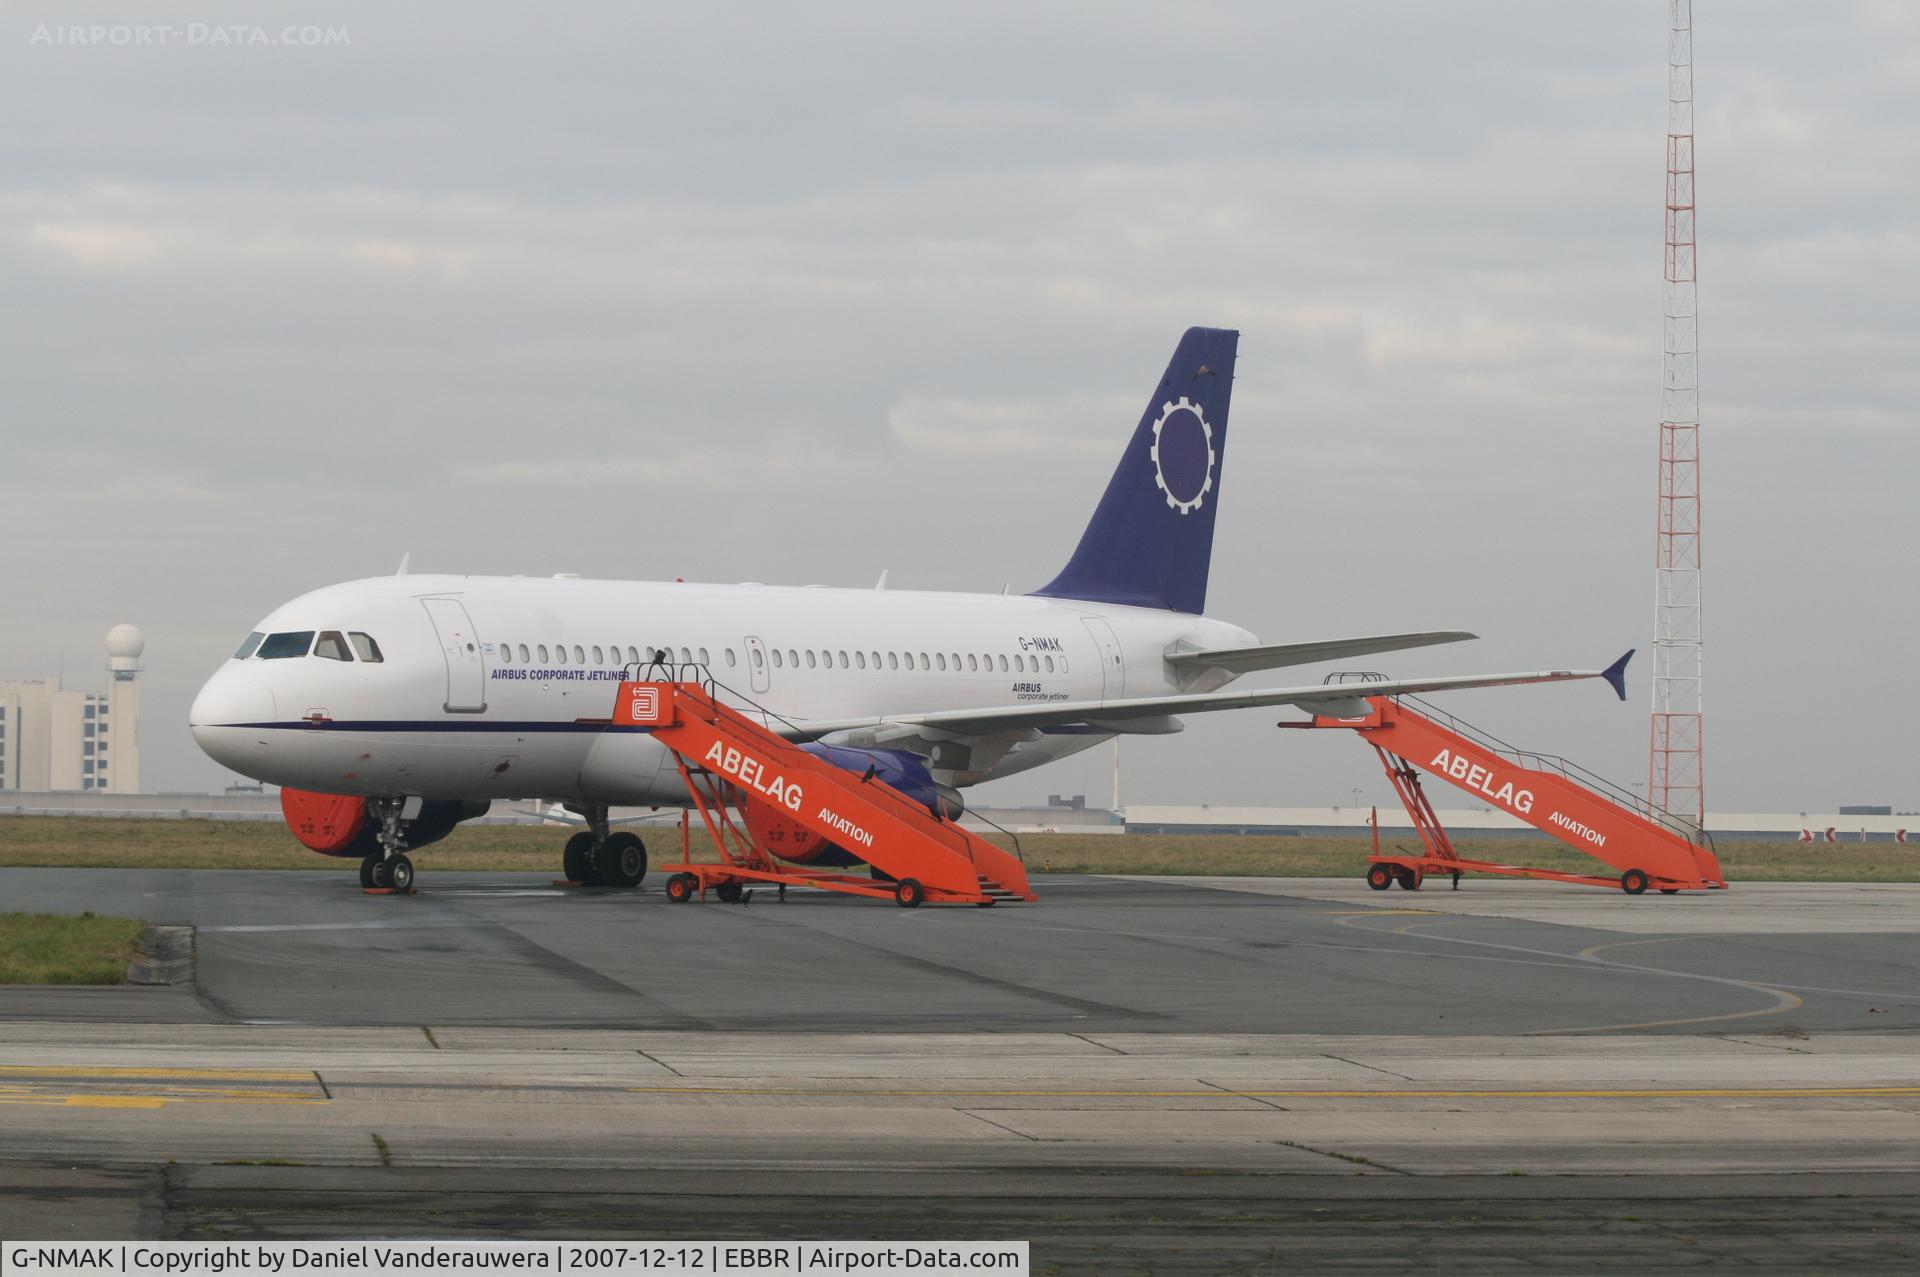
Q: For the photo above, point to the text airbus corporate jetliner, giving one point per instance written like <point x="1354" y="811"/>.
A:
<point x="391" y="709"/>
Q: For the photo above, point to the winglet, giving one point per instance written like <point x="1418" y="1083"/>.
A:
<point x="1616" y="675"/>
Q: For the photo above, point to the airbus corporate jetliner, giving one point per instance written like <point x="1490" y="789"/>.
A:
<point x="390" y="709"/>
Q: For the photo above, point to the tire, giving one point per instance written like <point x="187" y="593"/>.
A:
<point x="621" y="861"/>
<point x="400" y="873"/>
<point x="728" y="892"/>
<point x="680" y="888"/>
<point x="1635" y="882"/>
<point x="1669" y="891"/>
<point x="1379" y="877"/>
<point x="366" y="871"/>
<point x="909" y="894"/>
<point x="577" y="860"/>
<point x="1410" y="879"/>
<point x="377" y="876"/>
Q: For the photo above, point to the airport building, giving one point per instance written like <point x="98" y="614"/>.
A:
<point x="56" y="739"/>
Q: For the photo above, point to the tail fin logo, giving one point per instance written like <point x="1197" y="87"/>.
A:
<point x="1183" y="454"/>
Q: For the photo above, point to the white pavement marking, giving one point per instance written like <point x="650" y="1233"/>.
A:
<point x="1747" y="908"/>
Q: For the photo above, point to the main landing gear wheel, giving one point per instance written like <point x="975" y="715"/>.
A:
<point x="366" y="870"/>
<point x="1635" y="881"/>
<point x="728" y="892"/>
<point x="577" y="861"/>
<point x="621" y="861"/>
<point x="1409" y="879"/>
<point x="680" y="888"/>
<point x="909" y="894"/>
<point x="399" y="873"/>
<point x="377" y="876"/>
<point x="1379" y="877"/>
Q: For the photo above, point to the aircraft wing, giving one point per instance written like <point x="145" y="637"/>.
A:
<point x="1244" y="660"/>
<point x="1336" y="700"/>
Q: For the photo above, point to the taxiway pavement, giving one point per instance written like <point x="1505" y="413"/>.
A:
<point x="1167" y="1076"/>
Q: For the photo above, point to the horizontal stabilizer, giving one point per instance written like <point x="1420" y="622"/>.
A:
<point x="1273" y="656"/>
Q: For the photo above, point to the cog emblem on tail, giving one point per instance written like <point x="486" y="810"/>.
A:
<point x="1183" y="455"/>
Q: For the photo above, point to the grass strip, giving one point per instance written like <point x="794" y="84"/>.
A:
<point x="52" y="949"/>
<point x="87" y="842"/>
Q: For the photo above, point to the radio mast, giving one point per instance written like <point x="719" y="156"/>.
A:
<point x="1676" y="772"/>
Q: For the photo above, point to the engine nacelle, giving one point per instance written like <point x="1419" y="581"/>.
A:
<point x="900" y="769"/>
<point x="338" y="824"/>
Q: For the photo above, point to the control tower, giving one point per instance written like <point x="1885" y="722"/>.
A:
<point x="121" y="743"/>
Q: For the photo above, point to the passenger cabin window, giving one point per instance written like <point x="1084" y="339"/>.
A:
<point x="524" y="658"/>
<point x="703" y="657"/>
<point x="843" y="658"/>
<point x="812" y="661"/>
<point x="757" y="659"/>
<point x="542" y="649"/>
<point x="776" y="658"/>
<point x="247" y="645"/>
<point x="1049" y="661"/>
<point x="278" y="647"/>
<point x="730" y="660"/>
<point x="579" y="655"/>
<point x="599" y="658"/>
<point x="332" y="646"/>
<point x="973" y="662"/>
<point x="1003" y="665"/>
<point x="860" y="660"/>
<point x="560" y="654"/>
<point x="893" y="660"/>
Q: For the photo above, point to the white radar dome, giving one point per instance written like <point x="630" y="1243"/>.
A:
<point x="126" y="641"/>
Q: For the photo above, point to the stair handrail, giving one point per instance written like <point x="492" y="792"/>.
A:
<point x="710" y="686"/>
<point x="1608" y="789"/>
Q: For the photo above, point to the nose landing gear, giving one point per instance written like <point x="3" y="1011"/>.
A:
<point x="388" y="872"/>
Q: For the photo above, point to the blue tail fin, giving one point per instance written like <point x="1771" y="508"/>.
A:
<point x="1151" y="538"/>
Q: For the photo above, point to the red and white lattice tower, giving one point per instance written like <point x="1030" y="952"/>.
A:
<point x="1676" y="772"/>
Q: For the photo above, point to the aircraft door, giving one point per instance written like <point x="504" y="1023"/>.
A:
<point x="460" y="645"/>
<point x="1113" y="670"/>
<point x="757" y="663"/>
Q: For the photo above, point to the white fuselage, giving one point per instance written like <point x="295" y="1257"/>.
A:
<point x="500" y="687"/>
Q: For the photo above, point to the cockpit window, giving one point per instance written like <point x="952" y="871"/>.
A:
<point x="246" y="647"/>
<point x="332" y="646"/>
<point x="368" y="649"/>
<point x="278" y="647"/>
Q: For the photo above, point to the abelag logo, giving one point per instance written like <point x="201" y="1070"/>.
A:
<point x="643" y="705"/>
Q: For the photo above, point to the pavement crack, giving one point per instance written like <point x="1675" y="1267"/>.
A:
<point x="380" y="1147"/>
<point x="1328" y="1055"/>
<point x="1242" y="1095"/>
<point x="662" y="1063"/>
<point x="430" y="1038"/>
<point x="324" y="1088"/>
<point x="997" y="1126"/>
<point x="1765" y="1046"/>
<point x="1102" y="1045"/>
<point x="1355" y="1158"/>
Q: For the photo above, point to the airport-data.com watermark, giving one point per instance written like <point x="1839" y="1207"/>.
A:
<point x="186" y="35"/>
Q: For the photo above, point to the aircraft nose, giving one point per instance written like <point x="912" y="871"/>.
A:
<point x="224" y="720"/>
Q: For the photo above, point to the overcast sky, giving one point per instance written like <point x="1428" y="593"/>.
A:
<point x="798" y="293"/>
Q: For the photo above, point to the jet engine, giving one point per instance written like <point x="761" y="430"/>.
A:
<point x="338" y="824"/>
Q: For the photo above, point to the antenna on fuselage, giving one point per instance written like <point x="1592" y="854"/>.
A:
<point x="405" y="559"/>
<point x="881" y="584"/>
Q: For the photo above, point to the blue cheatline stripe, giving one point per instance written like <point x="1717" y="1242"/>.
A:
<point x="431" y="725"/>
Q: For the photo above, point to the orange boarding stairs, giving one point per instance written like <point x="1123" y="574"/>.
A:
<point x="726" y="759"/>
<point x="1645" y="846"/>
